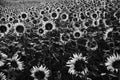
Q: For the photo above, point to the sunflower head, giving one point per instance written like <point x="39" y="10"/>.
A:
<point x="40" y="72"/>
<point x="77" y="65"/>
<point x="113" y="62"/>
<point x="15" y="63"/>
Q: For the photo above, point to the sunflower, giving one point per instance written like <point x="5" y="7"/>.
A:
<point x="19" y="28"/>
<point x="2" y="76"/>
<point x="77" y="65"/>
<point x="40" y="72"/>
<point x="113" y="62"/>
<point x="15" y="64"/>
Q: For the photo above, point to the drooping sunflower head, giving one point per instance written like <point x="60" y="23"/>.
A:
<point x="113" y="62"/>
<point x="40" y="73"/>
<point x="77" y="65"/>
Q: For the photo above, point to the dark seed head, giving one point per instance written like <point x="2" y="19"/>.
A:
<point x="39" y="75"/>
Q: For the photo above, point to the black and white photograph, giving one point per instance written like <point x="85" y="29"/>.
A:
<point x="59" y="39"/>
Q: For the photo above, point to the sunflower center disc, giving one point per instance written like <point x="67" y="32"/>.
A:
<point x="40" y="75"/>
<point x="14" y="64"/>
<point x="79" y="65"/>
<point x="116" y="64"/>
